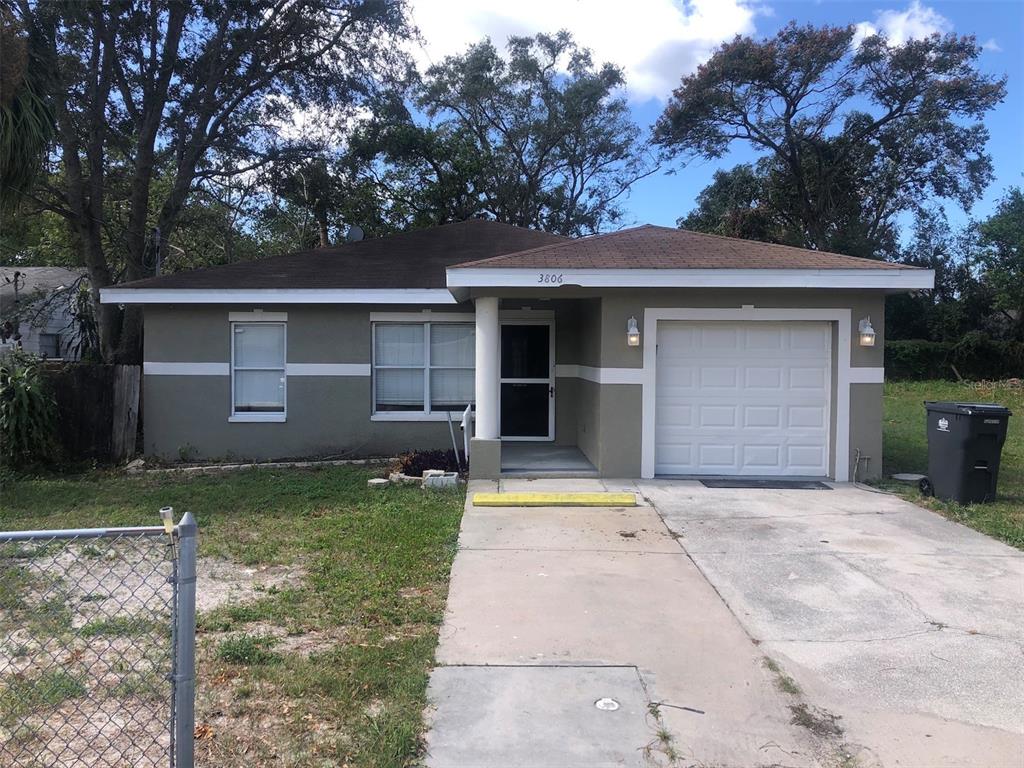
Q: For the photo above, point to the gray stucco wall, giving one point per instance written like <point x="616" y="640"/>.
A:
<point x="188" y="415"/>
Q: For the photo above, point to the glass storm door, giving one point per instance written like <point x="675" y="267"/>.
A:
<point x="527" y="381"/>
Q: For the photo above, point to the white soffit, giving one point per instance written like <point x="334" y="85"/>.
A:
<point x="483" y="277"/>
<point x="115" y="295"/>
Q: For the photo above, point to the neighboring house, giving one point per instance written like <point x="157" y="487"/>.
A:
<point x="37" y="310"/>
<point x="653" y="351"/>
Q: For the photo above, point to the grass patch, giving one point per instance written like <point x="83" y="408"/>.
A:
<point x="250" y="650"/>
<point x="783" y="682"/>
<point x="118" y="626"/>
<point x="374" y="576"/>
<point x="906" y="450"/>
<point x="21" y="696"/>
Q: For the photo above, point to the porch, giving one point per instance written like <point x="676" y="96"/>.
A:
<point x="535" y="459"/>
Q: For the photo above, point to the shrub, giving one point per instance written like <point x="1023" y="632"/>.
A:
<point x="414" y="463"/>
<point x="975" y="357"/>
<point x="27" y="411"/>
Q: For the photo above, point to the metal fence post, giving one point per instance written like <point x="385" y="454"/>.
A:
<point x="185" y="645"/>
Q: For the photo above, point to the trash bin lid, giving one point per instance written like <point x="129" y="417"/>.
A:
<point x="988" y="409"/>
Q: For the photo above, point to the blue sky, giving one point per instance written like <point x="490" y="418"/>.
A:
<point x="657" y="41"/>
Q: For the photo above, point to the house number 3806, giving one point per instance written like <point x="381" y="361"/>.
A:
<point x="550" y="277"/>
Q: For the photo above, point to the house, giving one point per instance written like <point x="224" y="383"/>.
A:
<point x="648" y="351"/>
<point x="37" y="310"/>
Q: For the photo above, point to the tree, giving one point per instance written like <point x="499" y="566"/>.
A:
<point x="153" y="98"/>
<point x="1002" y="234"/>
<point x="853" y="133"/>
<point x="26" y="123"/>
<point x="316" y="199"/>
<point x="739" y="203"/>
<point x="961" y="301"/>
<point x="539" y="138"/>
<point x="756" y="202"/>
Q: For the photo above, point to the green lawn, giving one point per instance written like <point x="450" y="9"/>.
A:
<point x="906" y="450"/>
<point x="328" y="668"/>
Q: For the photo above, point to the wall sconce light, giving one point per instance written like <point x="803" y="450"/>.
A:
<point x="867" y="333"/>
<point x="632" y="333"/>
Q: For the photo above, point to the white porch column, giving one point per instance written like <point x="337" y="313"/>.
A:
<point x="487" y="341"/>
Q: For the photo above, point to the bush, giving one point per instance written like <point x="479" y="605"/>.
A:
<point x="27" y="412"/>
<point x="414" y="463"/>
<point x="975" y="357"/>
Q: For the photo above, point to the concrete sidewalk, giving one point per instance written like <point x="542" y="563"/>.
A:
<point x="553" y="609"/>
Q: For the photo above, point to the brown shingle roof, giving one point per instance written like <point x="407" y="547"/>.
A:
<point x="652" y="247"/>
<point x="415" y="259"/>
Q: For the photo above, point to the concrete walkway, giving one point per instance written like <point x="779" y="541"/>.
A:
<point x="552" y="610"/>
<point x="906" y="625"/>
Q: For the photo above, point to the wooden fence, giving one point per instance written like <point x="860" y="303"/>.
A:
<point x="97" y="409"/>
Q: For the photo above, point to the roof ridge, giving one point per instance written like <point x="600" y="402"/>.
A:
<point x="567" y="241"/>
<point x="345" y="246"/>
<point x="774" y="245"/>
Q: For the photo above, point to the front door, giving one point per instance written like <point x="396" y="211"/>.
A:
<point x="527" y="381"/>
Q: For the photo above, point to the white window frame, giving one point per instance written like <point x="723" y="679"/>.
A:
<point x="249" y="416"/>
<point x="427" y="414"/>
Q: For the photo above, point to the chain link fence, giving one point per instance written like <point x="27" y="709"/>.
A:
<point x="97" y="641"/>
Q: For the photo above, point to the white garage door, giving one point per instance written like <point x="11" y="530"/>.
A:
<point x="749" y="398"/>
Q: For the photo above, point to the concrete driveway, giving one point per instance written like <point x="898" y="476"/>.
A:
<point x="908" y="626"/>
<point x="729" y="628"/>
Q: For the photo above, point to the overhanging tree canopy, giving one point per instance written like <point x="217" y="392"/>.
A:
<point x="867" y="129"/>
<point x="151" y="98"/>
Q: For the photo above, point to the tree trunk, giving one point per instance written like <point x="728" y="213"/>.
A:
<point x="321" y="225"/>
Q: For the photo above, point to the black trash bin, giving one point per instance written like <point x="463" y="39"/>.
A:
<point x="965" y="442"/>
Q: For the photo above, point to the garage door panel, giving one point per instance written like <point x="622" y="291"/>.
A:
<point x="743" y="398"/>
<point x="717" y="416"/>
<point x="760" y="459"/>
<point x="718" y="377"/>
<point x="807" y="378"/>
<point x="717" y="455"/>
<point x="766" y="338"/>
<point x="805" y="416"/>
<point x="762" y="416"/>
<point x="719" y="337"/>
<point x="808" y="338"/>
<point x="808" y="457"/>
<point x="763" y="378"/>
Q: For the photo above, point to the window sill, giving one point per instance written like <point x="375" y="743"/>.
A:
<point x="241" y="418"/>
<point x="417" y="416"/>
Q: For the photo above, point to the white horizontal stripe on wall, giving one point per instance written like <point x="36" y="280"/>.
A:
<point x="224" y="369"/>
<point x="867" y="375"/>
<point x="328" y="369"/>
<point x="186" y="369"/>
<point x="600" y="375"/>
<point x="258" y="315"/>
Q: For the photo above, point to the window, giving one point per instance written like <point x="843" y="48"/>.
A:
<point x="258" y="380"/>
<point x="423" y="367"/>
<point x="49" y="344"/>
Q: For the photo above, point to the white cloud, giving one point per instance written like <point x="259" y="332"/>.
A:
<point x="991" y="45"/>
<point x="917" y="22"/>
<point x="655" y="42"/>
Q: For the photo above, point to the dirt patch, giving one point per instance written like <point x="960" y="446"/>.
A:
<point x="85" y="646"/>
<point x="284" y="642"/>
<point x="220" y="582"/>
<point x="820" y="722"/>
<point x="89" y="732"/>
